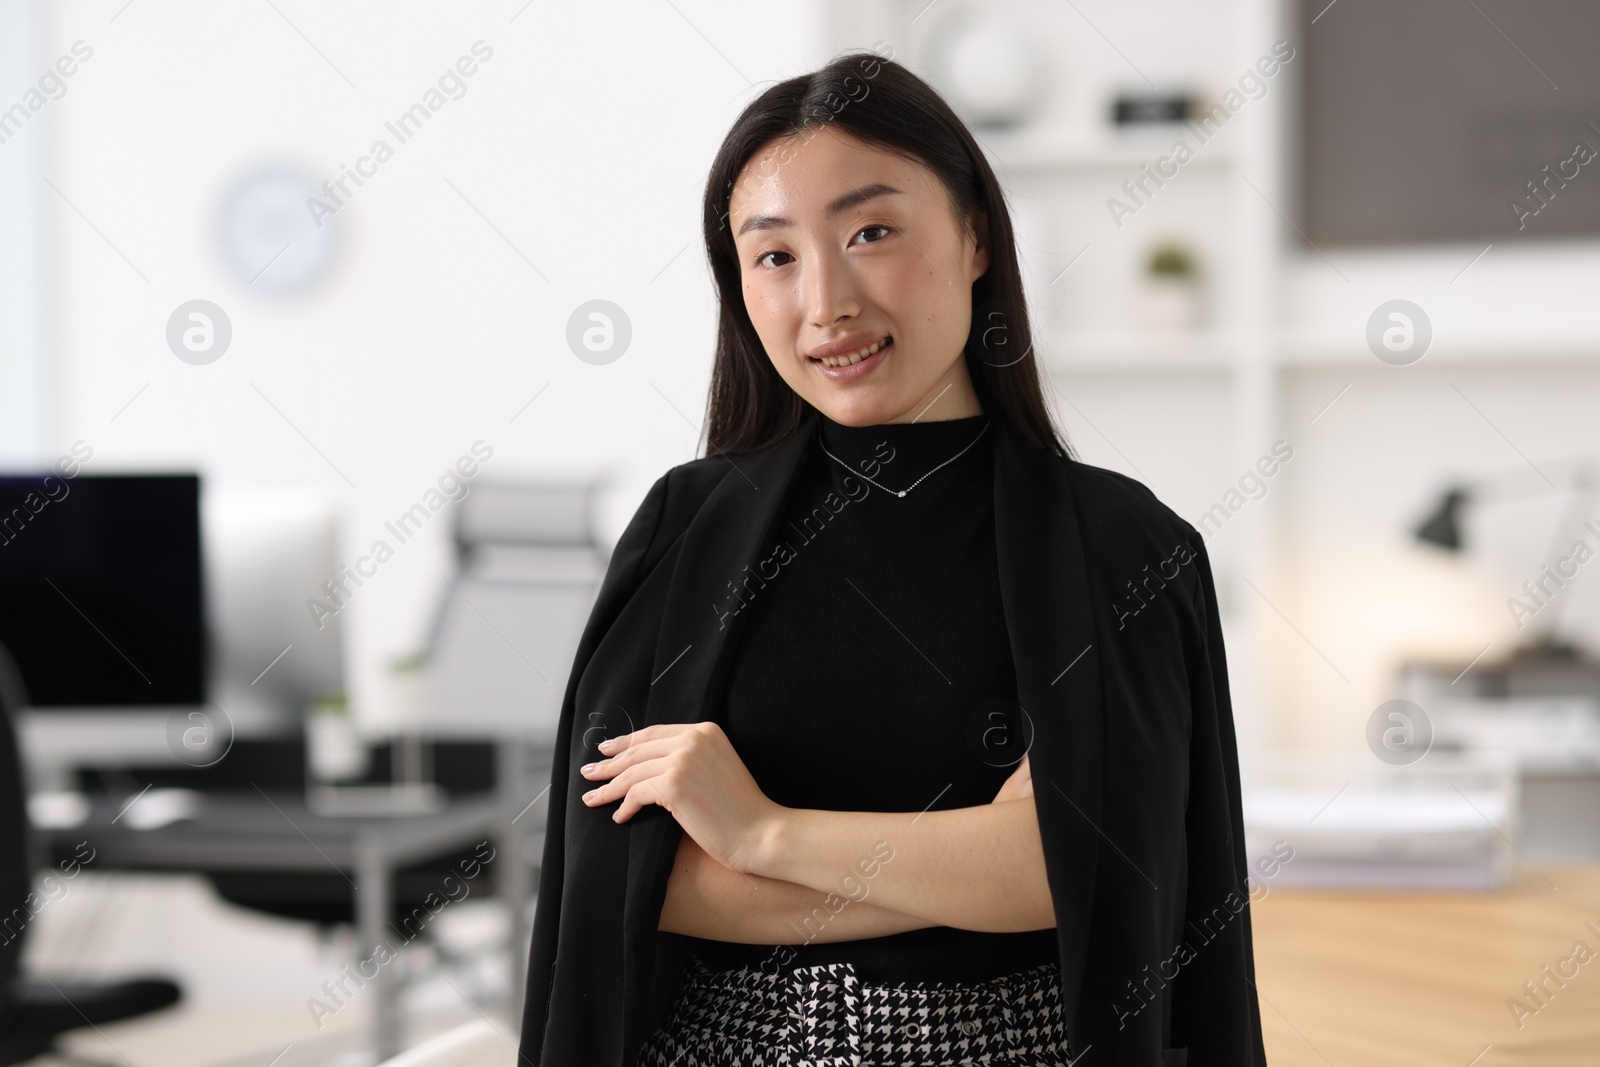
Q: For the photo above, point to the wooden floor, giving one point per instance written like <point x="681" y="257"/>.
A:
<point x="1387" y="979"/>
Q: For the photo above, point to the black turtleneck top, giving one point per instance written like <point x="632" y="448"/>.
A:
<point x="875" y="673"/>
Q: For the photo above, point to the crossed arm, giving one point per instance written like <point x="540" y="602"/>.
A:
<point x="975" y="868"/>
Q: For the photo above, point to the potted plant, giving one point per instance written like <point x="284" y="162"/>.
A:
<point x="1170" y="297"/>
<point x="335" y="750"/>
<point x="407" y="700"/>
<point x="410" y="691"/>
<point x="410" y="688"/>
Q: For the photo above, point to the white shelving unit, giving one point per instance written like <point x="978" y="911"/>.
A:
<point x="1510" y="373"/>
<point x="1069" y="159"/>
<point x="1110" y="351"/>
<point x="1477" y="349"/>
<point x="1119" y="153"/>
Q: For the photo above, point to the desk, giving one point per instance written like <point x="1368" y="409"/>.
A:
<point x="1384" y="979"/>
<point x="277" y="832"/>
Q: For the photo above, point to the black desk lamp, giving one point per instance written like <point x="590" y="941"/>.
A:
<point x="1443" y="528"/>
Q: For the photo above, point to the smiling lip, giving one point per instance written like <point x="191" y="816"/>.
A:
<point x="845" y="372"/>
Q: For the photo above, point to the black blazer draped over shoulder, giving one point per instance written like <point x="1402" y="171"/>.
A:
<point x="1112" y="616"/>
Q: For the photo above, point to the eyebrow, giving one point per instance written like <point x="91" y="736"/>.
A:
<point x="843" y="203"/>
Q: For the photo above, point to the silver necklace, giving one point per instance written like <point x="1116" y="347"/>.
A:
<point x="913" y="485"/>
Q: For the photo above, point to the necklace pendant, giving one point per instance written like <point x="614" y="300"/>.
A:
<point x="901" y="493"/>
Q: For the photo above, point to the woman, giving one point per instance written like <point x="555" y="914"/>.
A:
<point x="947" y="773"/>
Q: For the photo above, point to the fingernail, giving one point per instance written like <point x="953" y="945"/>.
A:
<point x="608" y="745"/>
<point x="590" y="794"/>
<point x="586" y="768"/>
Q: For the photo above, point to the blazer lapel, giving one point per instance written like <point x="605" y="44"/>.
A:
<point x="692" y="655"/>
<point x="728" y="534"/>
<point x="1045" y="595"/>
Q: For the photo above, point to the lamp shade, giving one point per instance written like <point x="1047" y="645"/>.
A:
<point x="1442" y="527"/>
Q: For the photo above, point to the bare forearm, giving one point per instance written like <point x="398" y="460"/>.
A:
<point x="977" y="868"/>
<point x="708" y="899"/>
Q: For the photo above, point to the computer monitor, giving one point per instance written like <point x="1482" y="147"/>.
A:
<point x="267" y="551"/>
<point x="201" y="590"/>
<point x="101" y="589"/>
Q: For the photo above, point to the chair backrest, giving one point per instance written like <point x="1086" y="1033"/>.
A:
<point x="477" y="1044"/>
<point x="509" y="621"/>
<point x="16" y="874"/>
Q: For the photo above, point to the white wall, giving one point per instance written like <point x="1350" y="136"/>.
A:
<point x="584" y="140"/>
<point x="25" y="406"/>
<point x="1365" y="595"/>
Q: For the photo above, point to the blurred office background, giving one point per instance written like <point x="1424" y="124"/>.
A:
<point x="1321" y="275"/>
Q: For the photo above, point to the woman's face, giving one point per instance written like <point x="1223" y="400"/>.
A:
<point x="843" y="246"/>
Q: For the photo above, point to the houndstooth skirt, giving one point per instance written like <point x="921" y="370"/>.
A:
<point x="825" y="1016"/>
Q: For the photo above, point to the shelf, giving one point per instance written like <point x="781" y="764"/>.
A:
<point x="1133" y="350"/>
<point x="1349" y="349"/>
<point x="1034" y="152"/>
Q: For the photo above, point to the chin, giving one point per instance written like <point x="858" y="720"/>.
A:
<point x="853" y="411"/>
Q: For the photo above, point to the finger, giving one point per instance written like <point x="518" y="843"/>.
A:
<point x="607" y="768"/>
<point x="625" y="810"/>
<point x="671" y="737"/>
<point x="644" y="793"/>
<point x="623" y="742"/>
<point x="629" y="777"/>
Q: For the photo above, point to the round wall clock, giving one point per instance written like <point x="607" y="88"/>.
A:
<point x="271" y="238"/>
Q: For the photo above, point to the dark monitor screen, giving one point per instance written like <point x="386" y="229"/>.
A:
<point x="100" y="588"/>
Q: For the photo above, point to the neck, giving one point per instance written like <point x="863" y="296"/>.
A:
<point x="952" y="397"/>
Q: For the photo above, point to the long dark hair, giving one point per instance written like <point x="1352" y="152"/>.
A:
<point x="882" y="103"/>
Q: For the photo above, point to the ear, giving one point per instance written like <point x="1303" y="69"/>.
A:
<point x="979" y="221"/>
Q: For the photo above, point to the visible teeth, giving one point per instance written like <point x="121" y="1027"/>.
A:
<point x="854" y="358"/>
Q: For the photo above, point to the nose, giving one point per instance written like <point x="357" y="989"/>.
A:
<point x="830" y="291"/>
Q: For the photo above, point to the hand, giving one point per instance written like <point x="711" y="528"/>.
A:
<point x="692" y="770"/>
<point x="1018" y="786"/>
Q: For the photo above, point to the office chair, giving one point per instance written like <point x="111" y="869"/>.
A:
<point x="529" y="565"/>
<point x="34" y="1013"/>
